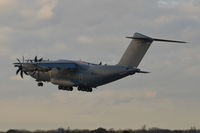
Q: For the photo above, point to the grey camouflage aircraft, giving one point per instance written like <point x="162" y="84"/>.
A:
<point x="84" y="75"/>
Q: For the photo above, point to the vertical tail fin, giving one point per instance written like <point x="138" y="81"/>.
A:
<point x="137" y="49"/>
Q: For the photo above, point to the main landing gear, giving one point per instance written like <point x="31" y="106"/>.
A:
<point x="87" y="89"/>
<point x="65" y="88"/>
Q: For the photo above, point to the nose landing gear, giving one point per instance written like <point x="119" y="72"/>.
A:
<point x="40" y="84"/>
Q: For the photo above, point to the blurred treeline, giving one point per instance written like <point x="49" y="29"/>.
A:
<point x="102" y="130"/>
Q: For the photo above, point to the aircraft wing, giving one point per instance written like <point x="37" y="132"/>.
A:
<point x="57" y="65"/>
<point x="46" y="66"/>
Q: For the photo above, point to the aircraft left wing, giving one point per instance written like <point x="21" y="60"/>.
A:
<point x="57" y="65"/>
<point x="46" y="66"/>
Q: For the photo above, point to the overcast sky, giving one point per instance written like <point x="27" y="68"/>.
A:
<point x="94" y="31"/>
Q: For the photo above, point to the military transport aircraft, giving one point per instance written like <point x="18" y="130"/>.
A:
<point x="84" y="75"/>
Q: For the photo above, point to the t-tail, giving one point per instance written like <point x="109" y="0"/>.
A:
<point x="137" y="49"/>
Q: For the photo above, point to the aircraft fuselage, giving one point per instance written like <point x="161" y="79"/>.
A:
<point x="85" y="75"/>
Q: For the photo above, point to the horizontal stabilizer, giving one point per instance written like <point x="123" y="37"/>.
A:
<point x="139" y="36"/>
<point x="155" y="39"/>
<point x="139" y="71"/>
<point x="163" y="40"/>
<point x="142" y="72"/>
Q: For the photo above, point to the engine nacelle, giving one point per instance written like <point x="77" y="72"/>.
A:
<point x="28" y="67"/>
<point x="40" y="76"/>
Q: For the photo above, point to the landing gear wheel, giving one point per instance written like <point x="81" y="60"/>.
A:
<point x="79" y="88"/>
<point x="89" y="90"/>
<point x="60" y="87"/>
<point x="84" y="89"/>
<point x="70" y="88"/>
<point x="65" y="88"/>
<point x="40" y="84"/>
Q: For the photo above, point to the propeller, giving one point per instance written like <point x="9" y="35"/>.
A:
<point x="35" y="59"/>
<point x="20" y="70"/>
<point x="38" y="60"/>
<point x="19" y="64"/>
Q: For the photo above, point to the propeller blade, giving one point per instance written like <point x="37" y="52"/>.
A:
<point x="20" y="67"/>
<point x="17" y="65"/>
<point x="29" y="60"/>
<point x="40" y="59"/>
<point x="18" y="70"/>
<point x="33" y="72"/>
<point x="25" y="73"/>
<point x="18" y="60"/>
<point x="21" y="74"/>
<point x="23" y="59"/>
<point x="35" y="59"/>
